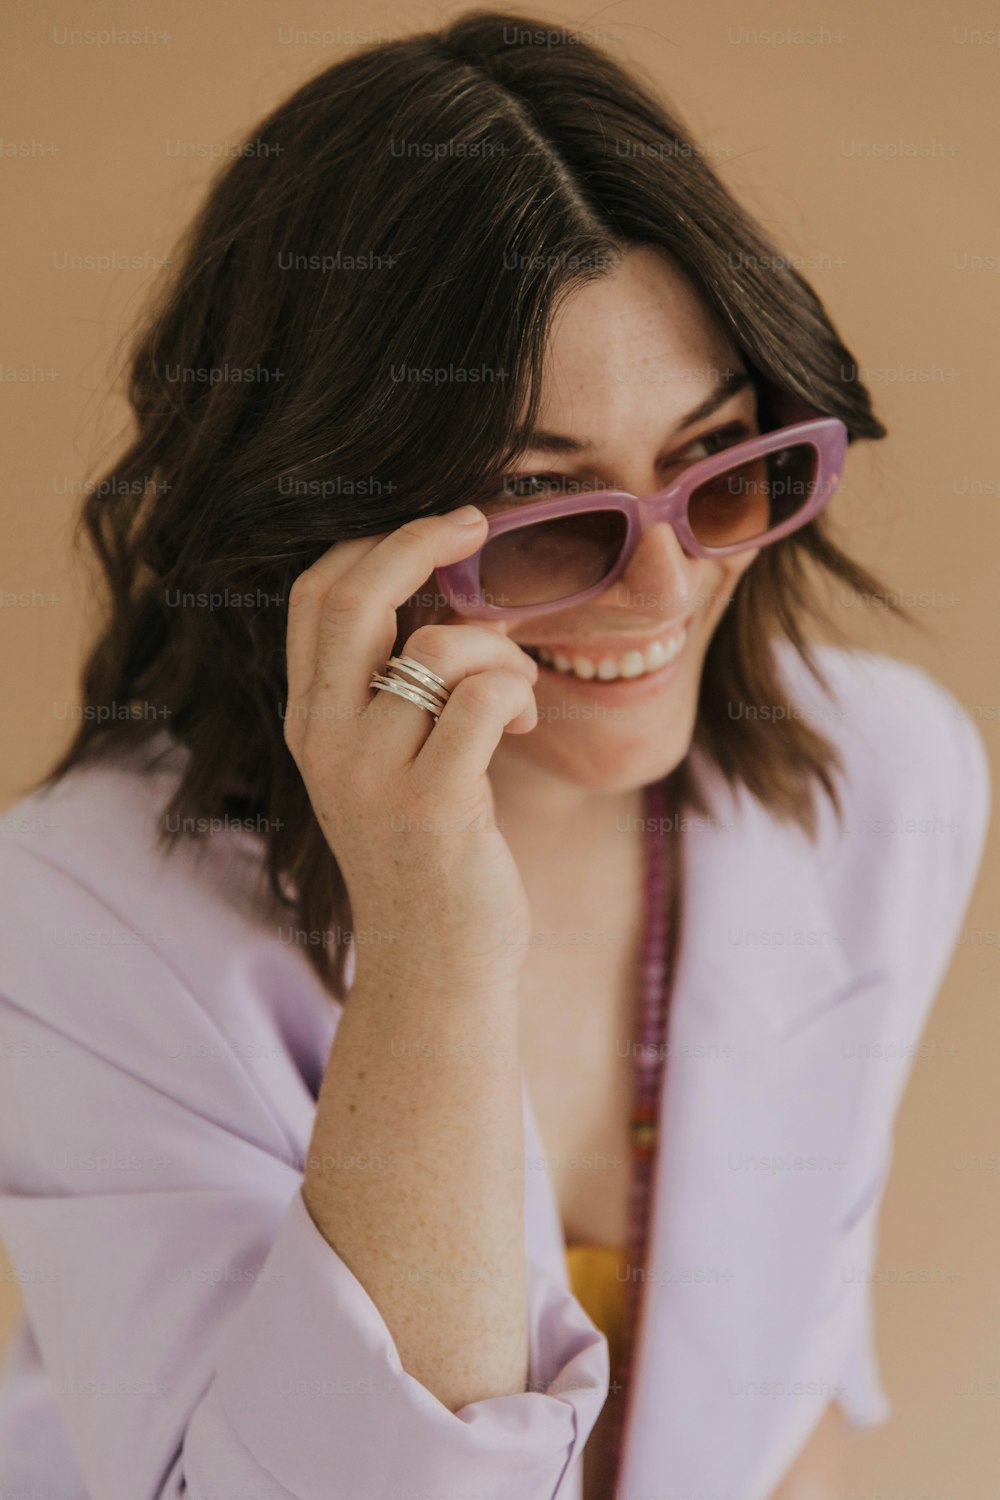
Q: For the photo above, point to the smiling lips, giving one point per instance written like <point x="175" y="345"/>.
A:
<point x="607" y="666"/>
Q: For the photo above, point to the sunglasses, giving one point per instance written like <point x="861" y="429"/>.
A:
<point x="538" y="558"/>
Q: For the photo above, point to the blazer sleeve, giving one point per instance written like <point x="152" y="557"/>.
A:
<point x="940" y="784"/>
<point x="201" y="1336"/>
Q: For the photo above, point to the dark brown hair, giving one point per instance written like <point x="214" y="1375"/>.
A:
<point x="424" y="203"/>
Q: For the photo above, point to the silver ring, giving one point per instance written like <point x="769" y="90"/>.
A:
<point x="425" y="677"/>
<point x="408" y="691"/>
<point x="428" y="692"/>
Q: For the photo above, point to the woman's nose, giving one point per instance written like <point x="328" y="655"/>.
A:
<point x="659" y="576"/>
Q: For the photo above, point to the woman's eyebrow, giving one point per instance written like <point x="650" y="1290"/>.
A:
<point x="542" y="441"/>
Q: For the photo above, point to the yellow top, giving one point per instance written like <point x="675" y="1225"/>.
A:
<point x="598" y="1275"/>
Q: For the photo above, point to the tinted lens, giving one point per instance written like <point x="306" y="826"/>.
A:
<point x="549" y="560"/>
<point x="744" y="502"/>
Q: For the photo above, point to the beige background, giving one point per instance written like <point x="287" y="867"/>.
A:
<point x="867" y="144"/>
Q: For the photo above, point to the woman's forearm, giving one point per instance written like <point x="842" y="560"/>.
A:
<point x="415" y="1177"/>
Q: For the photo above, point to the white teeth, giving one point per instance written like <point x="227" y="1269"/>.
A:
<point x="609" y="668"/>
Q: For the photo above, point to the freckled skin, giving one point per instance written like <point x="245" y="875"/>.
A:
<point x="629" y="356"/>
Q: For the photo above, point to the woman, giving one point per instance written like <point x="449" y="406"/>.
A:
<point x="333" y="991"/>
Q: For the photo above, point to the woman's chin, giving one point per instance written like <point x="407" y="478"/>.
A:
<point x="604" y="757"/>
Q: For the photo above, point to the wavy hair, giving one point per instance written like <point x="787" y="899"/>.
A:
<point x="426" y="201"/>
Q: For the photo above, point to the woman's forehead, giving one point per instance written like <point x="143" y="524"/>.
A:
<point x="638" y="333"/>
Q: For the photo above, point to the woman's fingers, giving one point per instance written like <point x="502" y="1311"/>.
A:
<point x="349" y="598"/>
<point x="305" y="601"/>
<point x="454" y="652"/>
<point x="458" y="752"/>
<point x="342" y="626"/>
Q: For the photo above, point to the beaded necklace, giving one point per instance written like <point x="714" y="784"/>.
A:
<point x="662" y="907"/>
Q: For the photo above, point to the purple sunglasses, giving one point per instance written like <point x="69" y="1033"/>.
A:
<point x="539" y="558"/>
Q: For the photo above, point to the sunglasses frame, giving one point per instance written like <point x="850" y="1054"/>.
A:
<point x="461" y="584"/>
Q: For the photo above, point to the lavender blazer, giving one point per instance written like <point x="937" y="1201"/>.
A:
<point x="189" y="1332"/>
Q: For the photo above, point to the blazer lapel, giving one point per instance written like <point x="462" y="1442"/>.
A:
<point x="759" y="1162"/>
<point x="758" y="1155"/>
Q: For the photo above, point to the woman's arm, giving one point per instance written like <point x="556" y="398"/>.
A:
<point x="426" y="1090"/>
<point x="198" y="1334"/>
<point x="425" y="1072"/>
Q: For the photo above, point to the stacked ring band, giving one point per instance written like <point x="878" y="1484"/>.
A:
<point x="427" y="691"/>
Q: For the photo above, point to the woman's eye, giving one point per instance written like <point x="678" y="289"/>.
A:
<point x="717" y="441"/>
<point x="521" y="486"/>
<point x="537" y="486"/>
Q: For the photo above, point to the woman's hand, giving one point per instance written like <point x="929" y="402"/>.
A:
<point x="404" y="802"/>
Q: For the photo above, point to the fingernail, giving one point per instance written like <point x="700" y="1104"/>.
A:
<point x="468" y="515"/>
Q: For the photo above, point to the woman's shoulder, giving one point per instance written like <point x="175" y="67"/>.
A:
<point x="903" y="736"/>
<point x="104" y="928"/>
<point x="100" y="827"/>
<point x="900" y="866"/>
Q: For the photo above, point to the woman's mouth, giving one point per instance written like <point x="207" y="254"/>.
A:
<point x="605" y="666"/>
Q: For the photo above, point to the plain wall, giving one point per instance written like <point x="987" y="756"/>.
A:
<point x="866" y="142"/>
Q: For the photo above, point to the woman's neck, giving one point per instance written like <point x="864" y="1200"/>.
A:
<point x="547" y="820"/>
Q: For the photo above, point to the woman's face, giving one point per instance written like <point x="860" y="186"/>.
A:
<point x="631" y="357"/>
